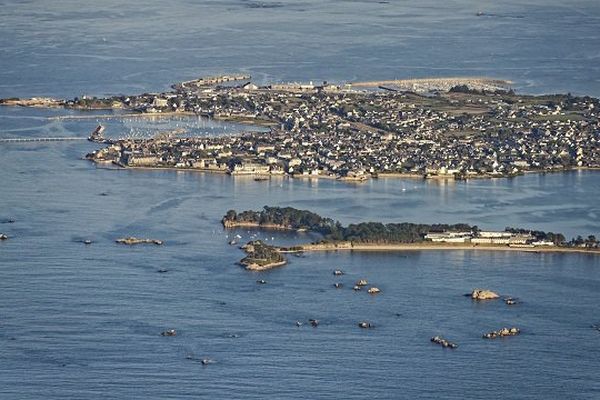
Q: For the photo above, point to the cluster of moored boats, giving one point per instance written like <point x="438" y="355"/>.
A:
<point x="173" y="332"/>
<point x="359" y="285"/>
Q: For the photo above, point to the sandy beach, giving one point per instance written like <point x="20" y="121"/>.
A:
<point x="443" y="247"/>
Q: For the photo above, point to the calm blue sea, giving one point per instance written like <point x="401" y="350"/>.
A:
<point x="84" y="322"/>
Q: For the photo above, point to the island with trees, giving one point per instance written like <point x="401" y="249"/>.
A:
<point x="260" y="256"/>
<point x="391" y="236"/>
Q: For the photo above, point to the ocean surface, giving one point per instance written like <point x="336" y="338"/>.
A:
<point x="84" y="321"/>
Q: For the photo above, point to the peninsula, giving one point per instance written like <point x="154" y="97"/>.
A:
<point x="376" y="236"/>
<point x="452" y="128"/>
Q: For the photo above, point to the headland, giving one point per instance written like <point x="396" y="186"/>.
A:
<point x="439" y="128"/>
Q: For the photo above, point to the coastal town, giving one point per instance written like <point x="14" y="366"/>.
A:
<point x="474" y="129"/>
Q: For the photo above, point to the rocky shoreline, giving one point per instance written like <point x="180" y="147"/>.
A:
<point x="261" y="257"/>
<point x="238" y="224"/>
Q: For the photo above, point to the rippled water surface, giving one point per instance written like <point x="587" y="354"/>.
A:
<point x="84" y="322"/>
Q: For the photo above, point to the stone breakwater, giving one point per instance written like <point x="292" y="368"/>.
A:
<point x="439" y="84"/>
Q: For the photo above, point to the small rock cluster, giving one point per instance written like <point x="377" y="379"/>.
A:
<point x="502" y="333"/>
<point x="130" y="241"/>
<point x="443" y="342"/>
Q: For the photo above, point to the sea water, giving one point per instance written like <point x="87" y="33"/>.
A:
<point x="81" y="321"/>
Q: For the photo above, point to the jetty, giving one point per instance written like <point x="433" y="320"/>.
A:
<point x="42" y="139"/>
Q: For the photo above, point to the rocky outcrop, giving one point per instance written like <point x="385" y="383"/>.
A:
<point x="502" y="333"/>
<point x="130" y="241"/>
<point x="261" y="257"/>
<point x="483" y="294"/>
<point x="443" y="342"/>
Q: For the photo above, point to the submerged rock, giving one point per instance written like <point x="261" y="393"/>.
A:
<point x="483" y="294"/>
<point x="443" y="342"/>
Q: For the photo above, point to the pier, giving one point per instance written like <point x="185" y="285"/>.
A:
<point x="45" y="139"/>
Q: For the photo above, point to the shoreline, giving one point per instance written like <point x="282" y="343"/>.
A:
<point x="349" y="246"/>
<point x="274" y="227"/>
<point x="120" y="116"/>
<point x="392" y="175"/>
<point x="257" y="268"/>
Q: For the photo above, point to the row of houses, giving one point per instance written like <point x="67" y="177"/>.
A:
<point x="488" y="237"/>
